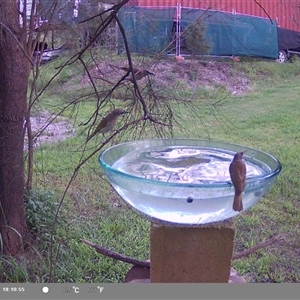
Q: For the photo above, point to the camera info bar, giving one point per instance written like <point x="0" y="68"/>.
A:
<point x="16" y="291"/>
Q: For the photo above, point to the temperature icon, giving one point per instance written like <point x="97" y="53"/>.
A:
<point x="98" y="289"/>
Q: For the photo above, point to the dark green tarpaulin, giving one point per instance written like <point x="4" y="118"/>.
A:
<point x="147" y="30"/>
<point x="231" y="34"/>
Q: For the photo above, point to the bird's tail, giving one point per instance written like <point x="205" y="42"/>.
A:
<point x="90" y="137"/>
<point x="237" y="202"/>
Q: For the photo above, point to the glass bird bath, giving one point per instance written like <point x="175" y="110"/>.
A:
<point x="183" y="186"/>
<point x="185" y="181"/>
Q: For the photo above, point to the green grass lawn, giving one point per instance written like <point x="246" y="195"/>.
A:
<point x="267" y="118"/>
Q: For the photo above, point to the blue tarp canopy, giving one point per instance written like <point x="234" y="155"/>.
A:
<point x="230" y="34"/>
<point x="149" y="30"/>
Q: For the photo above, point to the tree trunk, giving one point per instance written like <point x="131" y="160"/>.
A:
<point x="14" y="75"/>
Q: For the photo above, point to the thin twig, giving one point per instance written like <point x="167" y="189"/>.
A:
<point x="261" y="245"/>
<point x="264" y="10"/>
<point x="116" y="7"/>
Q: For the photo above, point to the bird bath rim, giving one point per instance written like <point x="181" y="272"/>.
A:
<point x="211" y="144"/>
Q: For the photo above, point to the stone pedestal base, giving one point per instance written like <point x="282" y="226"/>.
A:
<point x="142" y="275"/>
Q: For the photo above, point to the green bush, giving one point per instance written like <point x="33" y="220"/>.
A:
<point x="195" y="40"/>
<point x="40" y="211"/>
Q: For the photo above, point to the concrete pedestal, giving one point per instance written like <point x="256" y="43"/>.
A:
<point x="191" y="254"/>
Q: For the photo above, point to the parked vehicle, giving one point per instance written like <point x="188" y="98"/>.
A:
<point x="50" y="54"/>
<point x="288" y="44"/>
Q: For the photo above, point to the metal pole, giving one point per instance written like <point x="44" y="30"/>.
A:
<point x="178" y="28"/>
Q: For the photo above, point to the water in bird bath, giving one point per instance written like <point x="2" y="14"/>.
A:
<point x="185" y="185"/>
<point x="181" y="165"/>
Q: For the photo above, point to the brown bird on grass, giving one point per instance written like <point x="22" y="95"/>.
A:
<point x="237" y="170"/>
<point x="108" y="123"/>
<point x="138" y="73"/>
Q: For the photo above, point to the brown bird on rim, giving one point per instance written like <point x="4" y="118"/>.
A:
<point x="138" y="73"/>
<point x="237" y="170"/>
<point x="108" y="123"/>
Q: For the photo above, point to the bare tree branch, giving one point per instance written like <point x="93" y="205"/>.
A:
<point x="259" y="246"/>
<point x="117" y="256"/>
<point x="146" y="264"/>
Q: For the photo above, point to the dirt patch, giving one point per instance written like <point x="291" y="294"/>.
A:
<point x="49" y="128"/>
<point x="192" y="73"/>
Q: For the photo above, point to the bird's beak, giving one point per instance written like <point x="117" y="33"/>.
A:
<point x="243" y="152"/>
<point x="149" y="73"/>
